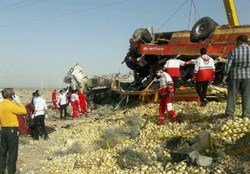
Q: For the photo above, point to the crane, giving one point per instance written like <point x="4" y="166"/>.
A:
<point x="231" y="12"/>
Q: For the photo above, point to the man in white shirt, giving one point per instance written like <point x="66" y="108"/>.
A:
<point x="63" y="103"/>
<point x="39" y="115"/>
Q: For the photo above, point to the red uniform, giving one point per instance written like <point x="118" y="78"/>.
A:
<point x="204" y="68"/>
<point x="167" y="93"/>
<point x="54" y="99"/>
<point x="74" y="101"/>
<point x="172" y="67"/>
<point x="83" y="103"/>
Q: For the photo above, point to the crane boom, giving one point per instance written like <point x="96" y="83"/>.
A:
<point x="231" y="12"/>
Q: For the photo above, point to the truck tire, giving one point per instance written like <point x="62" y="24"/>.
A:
<point x="202" y="29"/>
<point x="143" y="35"/>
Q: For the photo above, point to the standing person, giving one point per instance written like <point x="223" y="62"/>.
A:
<point x="74" y="101"/>
<point x="9" y="129"/>
<point x="39" y="115"/>
<point x="167" y="93"/>
<point x="33" y="94"/>
<point x="54" y="99"/>
<point x="83" y="102"/>
<point x="204" y="70"/>
<point x="1" y="97"/>
<point x="172" y="67"/>
<point x="62" y="102"/>
<point x="237" y="75"/>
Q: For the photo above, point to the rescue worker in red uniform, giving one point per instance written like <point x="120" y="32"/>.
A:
<point x="204" y="72"/>
<point x="54" y="99"/>
<point x="172" y="67"/>
<point x="167" y="93"/>
<point x="82" y="102"/>
<point x="74" y="101"/>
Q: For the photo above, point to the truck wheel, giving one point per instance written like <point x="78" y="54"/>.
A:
<point x="202" y="29"/>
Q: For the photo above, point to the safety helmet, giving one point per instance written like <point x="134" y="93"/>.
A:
<point x="81" y="90"/>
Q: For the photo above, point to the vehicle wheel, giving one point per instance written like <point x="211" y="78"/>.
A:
<point x="202" y="29"/>
<point x="143" y="35"/>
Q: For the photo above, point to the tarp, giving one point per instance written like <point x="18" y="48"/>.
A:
<point x="24" y="120"/>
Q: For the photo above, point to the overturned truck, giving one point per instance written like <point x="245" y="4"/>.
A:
<point x="149" y="51"/>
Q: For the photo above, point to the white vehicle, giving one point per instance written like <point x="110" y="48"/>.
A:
<point x="96" y="88"/>
<point x="76" y="77"/>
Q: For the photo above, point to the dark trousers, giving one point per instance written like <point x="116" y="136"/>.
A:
<point x="39" y="122"/>
<point x="9" y="146"/>
<point x="176" y="81"/>
<point x="234" y="87"/>
<point x="201" y="89"/>
<point x="63" y="108"/>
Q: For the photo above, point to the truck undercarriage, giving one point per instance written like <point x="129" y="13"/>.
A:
<point x="148" y="51"/>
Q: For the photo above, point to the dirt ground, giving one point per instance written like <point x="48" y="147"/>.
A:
<point x="35" y="156"/>
<point x="31" y="152"/>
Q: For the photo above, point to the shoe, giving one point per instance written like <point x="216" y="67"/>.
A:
<point x="229" y="117"/>
<point x="175" y="119"/>
<point x="162" y="122"/>
<point x="203" y="104"/>
<point x="205" y="101"/>
<point x="45" y="138"/>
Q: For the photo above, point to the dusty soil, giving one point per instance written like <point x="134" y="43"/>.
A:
<point x="34" y="154"/>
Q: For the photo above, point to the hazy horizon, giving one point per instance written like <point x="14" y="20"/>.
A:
<point x="40" y="40"/>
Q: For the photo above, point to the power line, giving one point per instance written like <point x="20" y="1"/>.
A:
<point x="8" y="66"/>
<point x="66" y="14"/>
<point x="172" y="15"/>
<point x="13" y="5"/>
<point x="18" y="5"/>
<point x="194" y="10"/>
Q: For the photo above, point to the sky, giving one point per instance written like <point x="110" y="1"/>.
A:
<point x="41" y="39"/>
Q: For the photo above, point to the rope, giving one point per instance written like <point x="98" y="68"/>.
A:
<point x="172" y="15"/>
<point x="118" y="105"/>
<point x="194" y="9"/>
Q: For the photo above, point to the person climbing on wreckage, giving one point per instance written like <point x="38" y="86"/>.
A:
<point x="167" y="93"/>
<point x="137" y="63"/>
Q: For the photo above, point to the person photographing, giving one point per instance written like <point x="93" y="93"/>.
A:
<point x="10" y="107"/>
